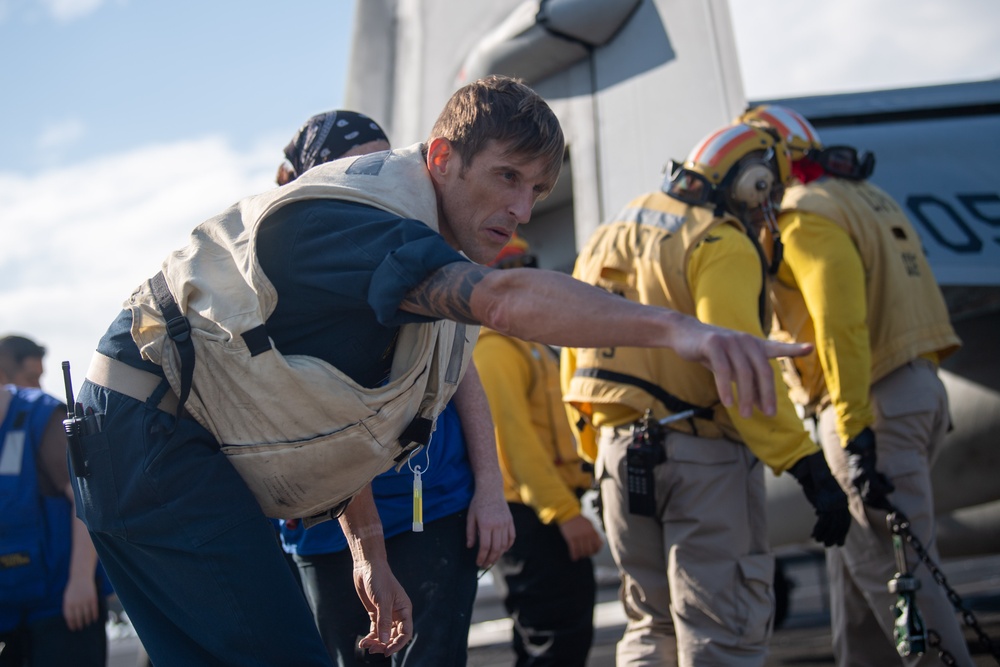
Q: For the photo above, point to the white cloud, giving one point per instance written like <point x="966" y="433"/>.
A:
<point x="794" y="48"/>
<point x="60" y="11"/>
<point x="78" y="239"/>
<point x="64" y="11"/>
<point x="59" y="135"/>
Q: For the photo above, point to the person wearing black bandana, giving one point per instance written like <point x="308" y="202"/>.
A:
<point x="329" y="136"/>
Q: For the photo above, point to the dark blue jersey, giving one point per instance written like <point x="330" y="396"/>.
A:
<point x="340" y="270"/>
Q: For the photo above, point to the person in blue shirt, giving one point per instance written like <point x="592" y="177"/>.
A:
<point x="52" y="592"/>
<point x="433" y="560"/>
<point x="435" y="566"/>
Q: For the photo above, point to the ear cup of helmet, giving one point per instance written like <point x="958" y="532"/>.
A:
<point x="752" y="184"/>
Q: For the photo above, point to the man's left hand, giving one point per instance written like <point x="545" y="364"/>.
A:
<point x="80" y="607"/>
<point x="388" y="607"/>
<point x="490" y="522"/>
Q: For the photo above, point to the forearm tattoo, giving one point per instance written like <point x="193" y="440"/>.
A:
<point x="447" y="293"/>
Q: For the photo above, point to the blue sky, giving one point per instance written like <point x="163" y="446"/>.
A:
<point x="102" y="76"/>
<point x="124" y="123"/>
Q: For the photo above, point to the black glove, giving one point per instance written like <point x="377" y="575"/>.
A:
<point x="826" y="496"/>
<point x="873" y="486"/>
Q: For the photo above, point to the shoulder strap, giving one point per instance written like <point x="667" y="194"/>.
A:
<point x="765" y="275"/>
<point x="179" y="330"/>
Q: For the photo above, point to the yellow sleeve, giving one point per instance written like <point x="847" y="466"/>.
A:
<point x="578" y="416"/>
<point x="828" y="271"/>
<point x="726" y="278"/>
<point x="525" y="461"/>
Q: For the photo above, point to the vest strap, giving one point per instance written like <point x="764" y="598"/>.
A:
<point x="416" y="434"/>
<point x="130" y="381"/>
<point x="179" y="330"/>
<point x="669" y="401"/>
<point x="257" y="340"/>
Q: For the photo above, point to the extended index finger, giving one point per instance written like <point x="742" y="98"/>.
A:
<point x="766" y="398"/>
<point x="775" y="349"/>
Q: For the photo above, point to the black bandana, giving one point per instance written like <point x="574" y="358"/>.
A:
<point x="327" y="136"/>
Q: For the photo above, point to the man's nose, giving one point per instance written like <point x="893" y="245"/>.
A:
<point x="520" y="207"/>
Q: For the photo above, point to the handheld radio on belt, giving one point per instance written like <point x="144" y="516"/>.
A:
<point x="77" y="425"/>
<point x="645" y="453"/>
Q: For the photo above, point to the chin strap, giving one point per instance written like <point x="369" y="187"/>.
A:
<point x="777" y="247"/>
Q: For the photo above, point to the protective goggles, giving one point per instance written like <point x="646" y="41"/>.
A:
<point x="844" y="162"/>
<point x="687" y="186"/>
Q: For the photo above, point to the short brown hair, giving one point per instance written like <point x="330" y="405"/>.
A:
<point x="504" y="109"/>
<point x="14" y="350"/>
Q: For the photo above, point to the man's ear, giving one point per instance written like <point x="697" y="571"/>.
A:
<point x="440" y="155"/>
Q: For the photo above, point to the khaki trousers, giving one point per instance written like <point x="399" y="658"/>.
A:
<point x="911" y="420"/>
<point x="697" y="577"/>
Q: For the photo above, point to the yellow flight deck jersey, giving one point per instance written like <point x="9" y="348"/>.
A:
<point x="538" y="459"/>
<point x="659" y="251"/>
<point x="855" y="282"/>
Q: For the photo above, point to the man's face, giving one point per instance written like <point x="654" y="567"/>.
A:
<point x="29" y="374"/>
<point x="481" y="208"/>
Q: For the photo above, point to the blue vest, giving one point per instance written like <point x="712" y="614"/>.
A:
<point x="35" y="530"/>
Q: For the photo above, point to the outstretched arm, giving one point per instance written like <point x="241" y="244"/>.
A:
<point x="556" y="309"/>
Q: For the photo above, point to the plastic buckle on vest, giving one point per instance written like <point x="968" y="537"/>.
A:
<point x="179" y="329"/>
<point x="407" y="450"/>
<point x="416" y="434"/>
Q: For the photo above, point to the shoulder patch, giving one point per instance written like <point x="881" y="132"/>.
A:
<point x="370" y="164"/>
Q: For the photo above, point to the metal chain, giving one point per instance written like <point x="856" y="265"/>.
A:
<point x="900" y="525"/>
<point x="934" y="641"/>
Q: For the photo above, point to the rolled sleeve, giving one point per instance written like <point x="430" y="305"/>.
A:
<point x="403" y="269"/>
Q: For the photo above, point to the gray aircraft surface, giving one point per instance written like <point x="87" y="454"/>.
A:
<point x="637" y="82"/>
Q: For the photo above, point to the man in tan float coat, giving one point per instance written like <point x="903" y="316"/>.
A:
<point x="368" y="317"/>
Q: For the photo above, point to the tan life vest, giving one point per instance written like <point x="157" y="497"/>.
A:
<point x="907" y="315"/>
<point x="304" y="436"/>
<point x="643" y="256"/>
